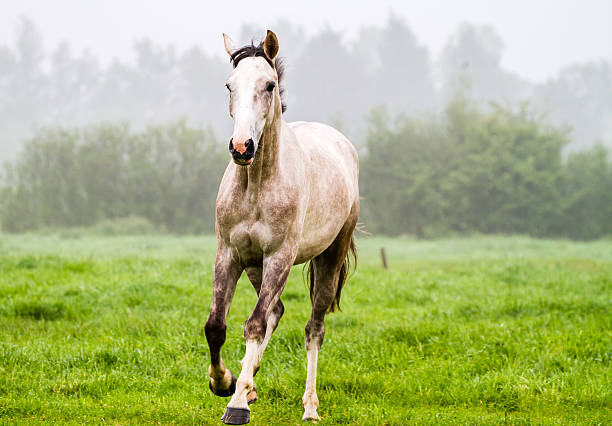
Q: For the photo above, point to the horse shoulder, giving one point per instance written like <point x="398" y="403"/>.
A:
<point x="227" y="206"/>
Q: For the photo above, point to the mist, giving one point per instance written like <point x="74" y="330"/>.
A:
<point x="73" y="65"/>
<point x="142" y="67"/>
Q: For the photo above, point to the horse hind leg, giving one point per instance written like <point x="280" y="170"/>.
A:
<point x="328" y="272"/>
<point x="255" y="276"/>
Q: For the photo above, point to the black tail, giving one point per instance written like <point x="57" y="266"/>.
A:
<point x="350" y="262"/>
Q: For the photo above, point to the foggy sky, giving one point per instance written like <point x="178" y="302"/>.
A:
<point x="540" y="36"/>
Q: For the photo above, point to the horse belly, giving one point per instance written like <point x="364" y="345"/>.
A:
<point x="309" y="248"/>
<point x="330" y="203"/>
<point x="323" y="222"/>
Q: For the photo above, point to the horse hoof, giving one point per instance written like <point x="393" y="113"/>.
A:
<point x="252" y="395"/>
<point x="310" y="415"/>
<point x="223" y="392"/>
<point x="235" y="416"/>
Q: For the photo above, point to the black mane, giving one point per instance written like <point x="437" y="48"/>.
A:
<point x="250" y="50"/>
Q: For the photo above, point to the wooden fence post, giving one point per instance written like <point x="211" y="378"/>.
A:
<point x="383" y="256"/>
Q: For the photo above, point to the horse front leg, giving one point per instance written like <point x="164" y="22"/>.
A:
<point x="255" y="275"/>
<point x="227" y="271"/>
<point x="257" y="332"/>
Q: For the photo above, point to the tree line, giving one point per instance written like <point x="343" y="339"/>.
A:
<point x="385" y="64"/>
<point x="467" y="170"/>
<point x="168" y="174"/>
<point x="497" y="172"/>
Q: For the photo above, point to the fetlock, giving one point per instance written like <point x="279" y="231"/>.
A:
<point x="221" y="385"/>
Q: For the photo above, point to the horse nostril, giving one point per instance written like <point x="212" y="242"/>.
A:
<point x="250" y="147"/>
<point x="231" y="145"/>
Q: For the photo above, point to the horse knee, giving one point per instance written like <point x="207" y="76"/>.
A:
<point x="255" y="328"/>
<point x="315" y="332"/>
<point x="215" y="329"/>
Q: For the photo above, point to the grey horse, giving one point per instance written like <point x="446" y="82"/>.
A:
<point x="289" y="196"/>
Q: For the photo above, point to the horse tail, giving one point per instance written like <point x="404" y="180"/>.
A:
<point x="348" y="265"/>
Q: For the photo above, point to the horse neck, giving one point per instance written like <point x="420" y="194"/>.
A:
<point x="266" y="163"/>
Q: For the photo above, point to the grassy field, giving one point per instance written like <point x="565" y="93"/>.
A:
<point x="464" y="331"/>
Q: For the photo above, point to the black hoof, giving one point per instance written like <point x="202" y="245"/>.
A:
<point x="235" y="416"/>
<point x="224" y="392"/>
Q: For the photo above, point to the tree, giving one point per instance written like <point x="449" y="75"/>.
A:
<point x="168" y="174"/>
<point x="329" y="81"/>
<point x="587" y="194"/>
<point x="404" y="76"/>
<point x="470" y="64"/>
<point x="22" y="83"/>
<point x="581" y="98"/>
<point x="496" y="172"/>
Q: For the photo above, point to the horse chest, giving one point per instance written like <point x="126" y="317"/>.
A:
<point x="252" y="227"/>
<point x="250" y="239"/>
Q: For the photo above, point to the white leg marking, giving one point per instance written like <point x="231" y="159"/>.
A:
<point x="310" y="402"/>
<point x="271" y="323"/>
<point x="244" y="383"/>
<point x="272" y="320"/>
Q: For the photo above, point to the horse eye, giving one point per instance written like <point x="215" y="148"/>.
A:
<point x="271" y="85"/>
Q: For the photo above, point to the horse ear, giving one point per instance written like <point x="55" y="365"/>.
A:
<point x="229" y="45"/>
<point x="271" y="45"/>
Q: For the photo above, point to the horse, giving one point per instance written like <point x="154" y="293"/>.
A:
<point x="289" y="195"/>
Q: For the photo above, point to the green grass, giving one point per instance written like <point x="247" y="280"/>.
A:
<point x="465" y="331"/>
